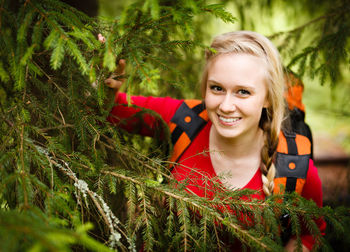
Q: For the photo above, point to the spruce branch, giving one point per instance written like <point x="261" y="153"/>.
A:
<point x="244" y="234"/>
<point x="50" y="80"/>
<point x="110" y="220"/>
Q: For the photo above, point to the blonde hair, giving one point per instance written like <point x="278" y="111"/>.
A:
<point x="255" y="44"/>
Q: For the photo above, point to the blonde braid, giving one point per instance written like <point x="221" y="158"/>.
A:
<point x="268" y="151"/>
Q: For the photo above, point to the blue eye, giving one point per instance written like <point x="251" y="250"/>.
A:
<point x="216" y="88"/>
<point x="243" y="92"/>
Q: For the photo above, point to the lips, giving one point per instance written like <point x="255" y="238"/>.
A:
<point x="228" y="120"/>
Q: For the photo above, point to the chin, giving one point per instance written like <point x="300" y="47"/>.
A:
<point x="227" y="133"/>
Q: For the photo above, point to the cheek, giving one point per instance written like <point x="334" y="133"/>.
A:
<point x="210" y="101"/>
<point x="261" y="100"/>
<point x="252" y="107"/>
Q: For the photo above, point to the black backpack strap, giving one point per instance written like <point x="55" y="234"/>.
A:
<point x="292" y="150"/>
<point x="299" y="126"/>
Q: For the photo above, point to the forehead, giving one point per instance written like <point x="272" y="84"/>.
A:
<point x="237" y="68"/>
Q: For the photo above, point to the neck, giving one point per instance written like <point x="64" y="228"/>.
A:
<point x="234" y="148"/>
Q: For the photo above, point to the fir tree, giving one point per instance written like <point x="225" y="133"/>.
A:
<point x="71" y="181"/>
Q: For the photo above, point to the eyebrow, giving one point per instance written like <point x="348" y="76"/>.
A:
<point x="238" y="86"/>
<point x="213" y="81"/>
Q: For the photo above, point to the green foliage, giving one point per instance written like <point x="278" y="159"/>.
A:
<point x="318" y="48"/>
<point x="34" y="231"/>
<point x="71" y="181"/>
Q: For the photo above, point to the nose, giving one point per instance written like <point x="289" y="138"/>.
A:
<point x="228" y="104"/>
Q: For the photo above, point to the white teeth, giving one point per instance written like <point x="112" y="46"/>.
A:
<point x="228" y="120"/>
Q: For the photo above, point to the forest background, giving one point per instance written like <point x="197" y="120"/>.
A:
<point x="69" y="181"/>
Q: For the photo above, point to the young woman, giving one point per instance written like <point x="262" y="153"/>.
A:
<point x="239" y="125"/>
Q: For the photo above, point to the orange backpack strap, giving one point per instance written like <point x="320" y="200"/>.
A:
<point x="184" y="126"/>
<point x="292" y="162"/>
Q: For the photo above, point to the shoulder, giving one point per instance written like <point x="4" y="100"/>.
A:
<point x="187" y="122"/>
<point x="190" y="111"/>
<point x="189" y="118"/>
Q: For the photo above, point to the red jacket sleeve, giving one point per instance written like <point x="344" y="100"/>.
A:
<point x="313" y="191"/>
<point x="138" y="117"/>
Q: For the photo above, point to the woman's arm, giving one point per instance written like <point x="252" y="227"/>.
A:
<point x="143" y="118"/>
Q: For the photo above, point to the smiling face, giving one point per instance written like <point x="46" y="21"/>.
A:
<point x="235" y="95"/>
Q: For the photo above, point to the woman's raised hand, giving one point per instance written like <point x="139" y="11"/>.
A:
<point x="117" y="79"/>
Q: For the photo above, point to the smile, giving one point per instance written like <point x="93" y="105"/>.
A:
<point x="229" y="120"/>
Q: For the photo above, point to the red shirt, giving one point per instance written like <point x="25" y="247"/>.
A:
<point x="195" y="164"/>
